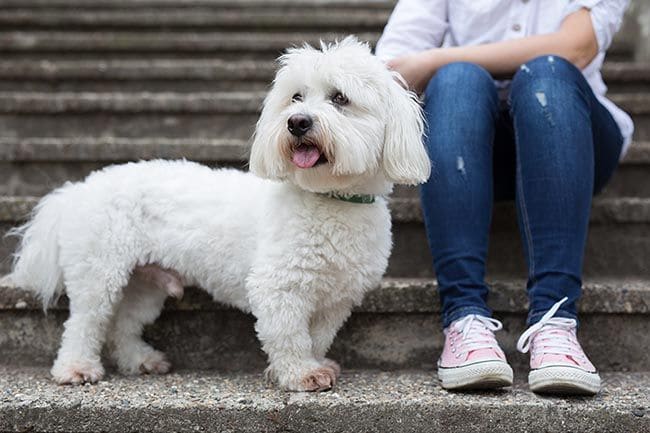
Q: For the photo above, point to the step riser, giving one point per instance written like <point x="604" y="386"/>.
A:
<point x="179" y="86"/>
<point x="170" y="125"/>
<point x="629" y="181"/>
<point x="198" y="19"/>
<point x="203" y="52"/>
<point x="37" y="56"/>
<point x="628" y="87"/>
<point x="617" y="75"/>
<point x="38" y="178"/>
<point x="225" y="340"/>
<point x="52" y="44"/>
<point x="213" y="42"/>
<point x="613" y="250"/>
<point x="183" y="85"/>
<point x="144" y="123"/>
<point x="242" y="4"/>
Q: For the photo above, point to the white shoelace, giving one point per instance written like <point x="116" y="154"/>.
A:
<point x="477" y="332"/>
<point x="555" y="334"/>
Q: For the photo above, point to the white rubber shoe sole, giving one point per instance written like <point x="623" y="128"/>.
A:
<point x="563" y="380"/>
<point x="481" y="375"/>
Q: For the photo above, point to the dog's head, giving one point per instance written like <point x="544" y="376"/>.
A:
<point x="335" y="118"/>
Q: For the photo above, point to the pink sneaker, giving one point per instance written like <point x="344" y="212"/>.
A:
<point x="558" y="365"/>
<point x="472" y="358"/>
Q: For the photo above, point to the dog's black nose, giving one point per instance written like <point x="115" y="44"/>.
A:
<point x="299" y="124"/>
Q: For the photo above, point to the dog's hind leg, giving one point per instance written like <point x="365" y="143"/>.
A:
<point x="143" y="300"/>
<point x="92" y="304"/>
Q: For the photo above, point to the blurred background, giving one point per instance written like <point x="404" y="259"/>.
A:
<point x="84" y="83"/>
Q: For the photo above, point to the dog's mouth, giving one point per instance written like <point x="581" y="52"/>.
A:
<point x="307" y="155"/>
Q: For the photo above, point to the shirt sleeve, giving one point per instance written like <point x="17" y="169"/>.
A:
<point x="414" y="25"/>
<point x="606" y="17"/>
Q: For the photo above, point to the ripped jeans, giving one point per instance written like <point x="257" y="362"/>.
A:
<point x="550" y="148"/>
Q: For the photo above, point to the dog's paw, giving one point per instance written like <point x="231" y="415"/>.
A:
<point x="320" y="379"/>
<point x="155" y="363"/>
<point x="333" y="365"/>
<point x="77" y="373"/>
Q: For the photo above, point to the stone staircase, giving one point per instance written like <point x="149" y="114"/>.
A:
<point x="87" y="83"/>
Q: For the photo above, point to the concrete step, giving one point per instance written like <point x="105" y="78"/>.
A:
<point x="225" y="115"/>
<point x="192" y="75"/>
<point x="396" y="327"/>
<point x="195" y="102"/>
<point x="33" y="166"/>
<point x="42" y="43"/>
<point x="619" y="238"/>
<point x="368" y="401"/>
<point x="630" y="179"/>
<point x="624" y="77"/>
<point x="171" y="114"/>
<point x="157" y="75"/>
<point x="244" y="4"/>
<point x="59" y="44"/>
<point x="197" y="19"/>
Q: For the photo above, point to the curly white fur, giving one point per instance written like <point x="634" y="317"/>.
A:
<point x="267" y="244"/>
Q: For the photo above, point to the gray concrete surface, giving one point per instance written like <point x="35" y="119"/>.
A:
<point x="213" y="42"/>
<point x="619" y="238"/>
<point x="198" y="18"/>
<point x="363" y="401"/>
<point x="364" y="4"/>
<point x="177" y="74"/>
<point x="412" y="295"/>
<point x="35" y="165"/>
<point x="397" y="327"/>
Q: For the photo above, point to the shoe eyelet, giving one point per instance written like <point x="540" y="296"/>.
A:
<point x="453" y="350"/>
<point x="458" y="356"/>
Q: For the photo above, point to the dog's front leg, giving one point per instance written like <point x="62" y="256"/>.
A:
<point x="283" y="328"/>
<point x="323" y="328"/>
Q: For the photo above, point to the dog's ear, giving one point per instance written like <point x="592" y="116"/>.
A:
<point x="405" y="159"/>
<point x="265" y="160"/>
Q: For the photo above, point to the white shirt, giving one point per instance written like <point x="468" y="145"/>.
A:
<point x="418" y="25"/>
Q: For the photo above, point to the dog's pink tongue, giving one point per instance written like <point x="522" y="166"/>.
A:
<point x="306" y="156"/>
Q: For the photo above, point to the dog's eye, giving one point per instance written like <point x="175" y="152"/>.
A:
<point x="296" y="98"/>
<point x="340" y="99"/>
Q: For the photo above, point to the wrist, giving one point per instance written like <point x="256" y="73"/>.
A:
<point x="434" y="60"/>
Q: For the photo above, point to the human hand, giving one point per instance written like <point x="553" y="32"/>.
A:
<point x="415" y="69"/>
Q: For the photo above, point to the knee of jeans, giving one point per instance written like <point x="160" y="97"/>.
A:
<point x="461" y="78"/>
<point x="547" y="79"/>
<point x="546" y="67"/>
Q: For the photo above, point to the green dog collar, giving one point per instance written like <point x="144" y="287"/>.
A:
<point x="351" y="198"/>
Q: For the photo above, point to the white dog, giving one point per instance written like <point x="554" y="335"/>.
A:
<point x="297" y="243"/>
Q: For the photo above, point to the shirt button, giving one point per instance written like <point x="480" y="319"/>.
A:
<point x="524" y="1"/>
<point x="516" y="27"/>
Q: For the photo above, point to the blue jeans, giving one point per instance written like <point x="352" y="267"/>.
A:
<point x="550" y="148"/>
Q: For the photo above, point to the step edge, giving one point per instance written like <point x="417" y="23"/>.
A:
<point x="410" y="296"/>
<point x="185" y="102"/>
<point x="118" y="149"/>
<point x="191" y="69"/>
<point x="409" y="400"/>
<point x="632" y="210"/>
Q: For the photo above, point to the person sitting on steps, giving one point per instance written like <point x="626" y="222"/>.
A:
<point x="516" y="109"/>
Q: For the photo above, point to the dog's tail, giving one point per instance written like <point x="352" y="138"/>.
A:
<point x="36" y="261"/>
